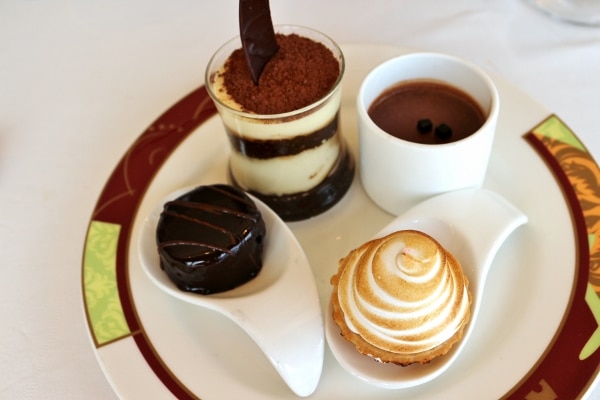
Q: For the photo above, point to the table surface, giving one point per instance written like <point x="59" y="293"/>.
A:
<point x="79" y="81"/>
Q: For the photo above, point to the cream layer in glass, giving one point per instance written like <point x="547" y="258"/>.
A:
<point x="286" y="174"/>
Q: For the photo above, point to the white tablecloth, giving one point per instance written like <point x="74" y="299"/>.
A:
<point x="80" y="80"/>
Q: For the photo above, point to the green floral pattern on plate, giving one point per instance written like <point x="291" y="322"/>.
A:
<point x="103" y="306"/>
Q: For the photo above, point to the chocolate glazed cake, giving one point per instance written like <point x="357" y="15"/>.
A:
<point x="211" y="239"/>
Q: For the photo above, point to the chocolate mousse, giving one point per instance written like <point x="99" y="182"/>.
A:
<point x="427" y="112"/>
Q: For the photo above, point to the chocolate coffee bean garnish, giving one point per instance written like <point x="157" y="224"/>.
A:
<point x="443" y="131"/>
<point x="424" y="125"/>
<point x="257" y="34"/>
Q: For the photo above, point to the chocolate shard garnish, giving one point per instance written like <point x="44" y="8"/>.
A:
<point x="257" y="34"/>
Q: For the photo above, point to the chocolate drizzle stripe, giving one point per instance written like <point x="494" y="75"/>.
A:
<point x="200" y="222"/>
<point x="210" y="208"/>
<point x="172" y="243"/>
<point x="271" y="148"/>
<point x="240" y="199"/>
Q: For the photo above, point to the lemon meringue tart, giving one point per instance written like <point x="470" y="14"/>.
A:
<point x="401" y="299"/>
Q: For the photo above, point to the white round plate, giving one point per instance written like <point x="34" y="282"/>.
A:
<point x="538" y="325"/>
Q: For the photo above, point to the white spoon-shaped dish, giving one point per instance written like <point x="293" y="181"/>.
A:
<point x="279" y="309"/>
<point x="470" y="223"/>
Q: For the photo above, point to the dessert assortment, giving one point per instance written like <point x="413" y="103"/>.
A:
<point x="401" y="299"/>
<point x="426" y="127"/>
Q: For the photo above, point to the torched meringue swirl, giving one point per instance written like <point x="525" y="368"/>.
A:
<point x="403" y="293"/>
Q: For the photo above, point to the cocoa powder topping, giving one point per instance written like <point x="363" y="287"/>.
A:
<point x="301" y="72"/>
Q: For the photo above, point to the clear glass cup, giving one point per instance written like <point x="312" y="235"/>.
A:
<point x="582" y="12"/>
<point x="296" y="162"/>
